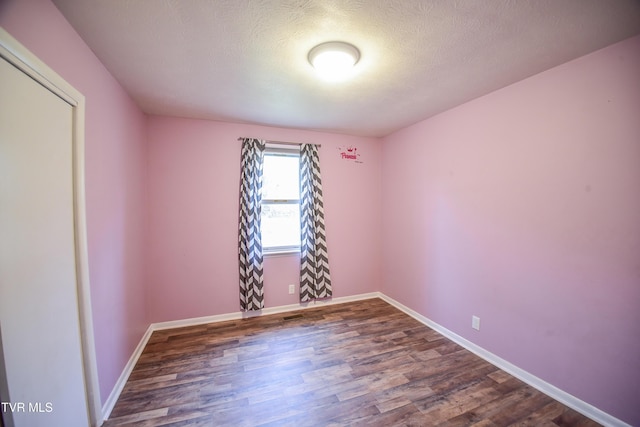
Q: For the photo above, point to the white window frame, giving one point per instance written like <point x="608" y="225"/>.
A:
<point x="289" y="151"/>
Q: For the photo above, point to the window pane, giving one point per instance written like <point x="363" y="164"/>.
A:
<point x="280" y="177"/>
<point x="280" y="225"/>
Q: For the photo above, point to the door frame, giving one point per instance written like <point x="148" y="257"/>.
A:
<point x="20" y="57"/>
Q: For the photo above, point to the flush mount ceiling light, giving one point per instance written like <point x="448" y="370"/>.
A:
<point x="334" y="60"/>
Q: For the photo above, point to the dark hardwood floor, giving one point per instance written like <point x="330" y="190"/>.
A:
<point x="361" y="363"/>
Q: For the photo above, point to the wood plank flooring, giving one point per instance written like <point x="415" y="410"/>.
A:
<point x="361" y="363"/>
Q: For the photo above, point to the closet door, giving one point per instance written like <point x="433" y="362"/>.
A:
<point x="39" y="316"/>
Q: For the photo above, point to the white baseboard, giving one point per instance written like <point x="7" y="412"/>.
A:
<point x="122" y="380"/>
<point x="315" y="303"/>
<point x="271" y="310"/>
<point x="550" y="390"/>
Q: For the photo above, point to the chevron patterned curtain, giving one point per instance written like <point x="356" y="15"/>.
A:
<point x="249" y="237"/>
<point x="315" y="281"/>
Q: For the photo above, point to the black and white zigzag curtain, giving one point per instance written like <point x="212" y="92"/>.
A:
<point x="249" y="237"/>
<point x="315" y="281"/>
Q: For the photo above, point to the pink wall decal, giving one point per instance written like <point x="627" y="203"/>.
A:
<point x="115" y="145"/>
<point x="523" y="208"/>
<point x="350" y="153"/>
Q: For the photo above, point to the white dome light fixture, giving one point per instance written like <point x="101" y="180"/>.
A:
<point x="334" y="61"/>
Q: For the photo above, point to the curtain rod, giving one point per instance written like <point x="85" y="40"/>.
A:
<point x="283" y="142"/>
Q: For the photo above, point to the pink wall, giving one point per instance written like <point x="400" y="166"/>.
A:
<point x="194" y="173"/>
<point x="523" y="208"/>
<point x="115" y="180"/>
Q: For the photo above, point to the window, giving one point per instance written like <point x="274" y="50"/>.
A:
<point x="281" y="200"/>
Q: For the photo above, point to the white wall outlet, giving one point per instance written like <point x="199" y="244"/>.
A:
<point x="475" y="322"/>
<point x="292" y="289"/>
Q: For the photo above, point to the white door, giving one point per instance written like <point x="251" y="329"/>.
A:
<point x="39" y="316"/>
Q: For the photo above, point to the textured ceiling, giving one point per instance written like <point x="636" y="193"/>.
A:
<point x="246" y="60"/>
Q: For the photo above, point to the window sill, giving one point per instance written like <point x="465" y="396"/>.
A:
<point x="280" y="252"/>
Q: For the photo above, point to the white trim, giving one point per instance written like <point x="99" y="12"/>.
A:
<point x="271" y="310"/>
<point x="550" y="390"/>
<point x="280" y="253"/>
<point x="286" y="149"/>
<point x="124" y="376"/>
<point x="18" y="55"/>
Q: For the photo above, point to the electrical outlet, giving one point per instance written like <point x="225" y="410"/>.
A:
<point x="475" y="322"/>
<point x="292" y="289"/>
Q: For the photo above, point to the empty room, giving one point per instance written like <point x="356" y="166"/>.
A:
<point x="314" y="213"/>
